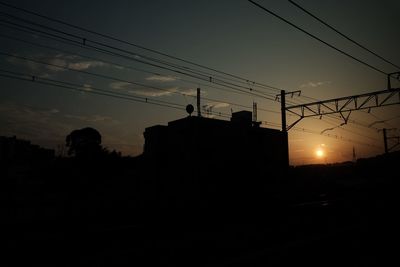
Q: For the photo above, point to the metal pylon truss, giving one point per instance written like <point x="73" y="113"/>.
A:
<point x="345" y="105"/>
<point x="395" y="144"/>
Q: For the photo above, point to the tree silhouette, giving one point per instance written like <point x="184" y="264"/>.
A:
<point x="84" y="143"/>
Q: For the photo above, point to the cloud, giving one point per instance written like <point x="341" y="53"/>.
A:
<point x="83" y="65"/>
<point x="213" y="105"/>
<point x="221" y="105"/>
<point x="119" y="85"/>
<point x="57" y="62"/>
<point x="191" y="92"/>
<point x="18" y="62"/>
<point x="147" y="92"/>
<point x="91" y="118"/>
<point x="74" y="62"/>
<point x="87" y="87"/>
<point x="160" y="78"/>
<point x="154" y="92"/>
<point x="314" y="84"/>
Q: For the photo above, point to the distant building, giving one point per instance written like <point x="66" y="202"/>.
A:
<point x="213" y="141"/>
<point x="13" y="149"/>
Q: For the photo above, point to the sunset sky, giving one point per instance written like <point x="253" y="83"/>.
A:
<point x="232" y="36"/>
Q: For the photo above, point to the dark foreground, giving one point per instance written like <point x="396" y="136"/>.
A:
<point x="129" y="211"/>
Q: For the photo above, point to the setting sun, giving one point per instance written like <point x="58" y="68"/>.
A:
<point x="319" y="152"/>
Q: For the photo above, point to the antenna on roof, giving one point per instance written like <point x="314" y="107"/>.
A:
<point x="254" y="111"/>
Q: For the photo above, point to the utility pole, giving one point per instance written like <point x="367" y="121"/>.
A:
<point x="283" y="110"/>
<point x="198" y="103"/>
<point x="385" y="141"/>
<point x="386" y="138"/>
<point x="284" y="129"/>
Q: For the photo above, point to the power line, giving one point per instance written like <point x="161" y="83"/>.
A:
<point x="122" y="41"/>
<point x="334" y="136"/>
<point x="343" y="35"/>
<point x="159" y="61"/>
<point x="317" y="38"/>
<point x="94" y="74"/>
<point x="350" y="131"/>
<point x="136" y="45"/>
<point x="76" y="54"/>
<point x="95" y="90"/>
<point x="81" y="88"/>
<point x="85" y="41"/>
<point x="128" y="67"/>
<point x="338" y="137"/>
<point x="87" y="72"/>
<point x="109" y="77"/>
<point x="136" y="58"/>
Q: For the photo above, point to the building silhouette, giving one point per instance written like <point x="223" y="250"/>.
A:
<point x="14" y="149"/>
<point x="211" y="141"/>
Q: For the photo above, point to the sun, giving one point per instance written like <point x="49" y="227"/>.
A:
<point x="319" y="153"/>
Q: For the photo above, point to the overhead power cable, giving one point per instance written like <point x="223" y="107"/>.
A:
<point x="317" y="38"/>
<point x="138" y="58"/>
<point x="133" y="68"/>
<point x="122" y="80"/>
<point x="247" y="81"/>
<point x="137" y="46"/>
<point x="343" y="35"/>
<point x="82" y="88"/>
<point x="334" y="136"/>
<point x="95" y="90"/>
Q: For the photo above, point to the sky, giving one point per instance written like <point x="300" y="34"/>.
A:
<point x="232" y="36"/>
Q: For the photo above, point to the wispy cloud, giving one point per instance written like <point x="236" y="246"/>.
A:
<point x="191" y="92"/>
<point x="147" y="92"/>
<point x="153" y="92"/>
<point x="91" y="118"/>
<point x="216" y="105"/>
<point x="27" y="64"/>
<point x="83" y="65"/>
<point x="314" y="84"/>
<point x="87" y="87"/>
<point x="119" y="85"/>
<point x="160" y="78"/>
<point x="57" y="63"/>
